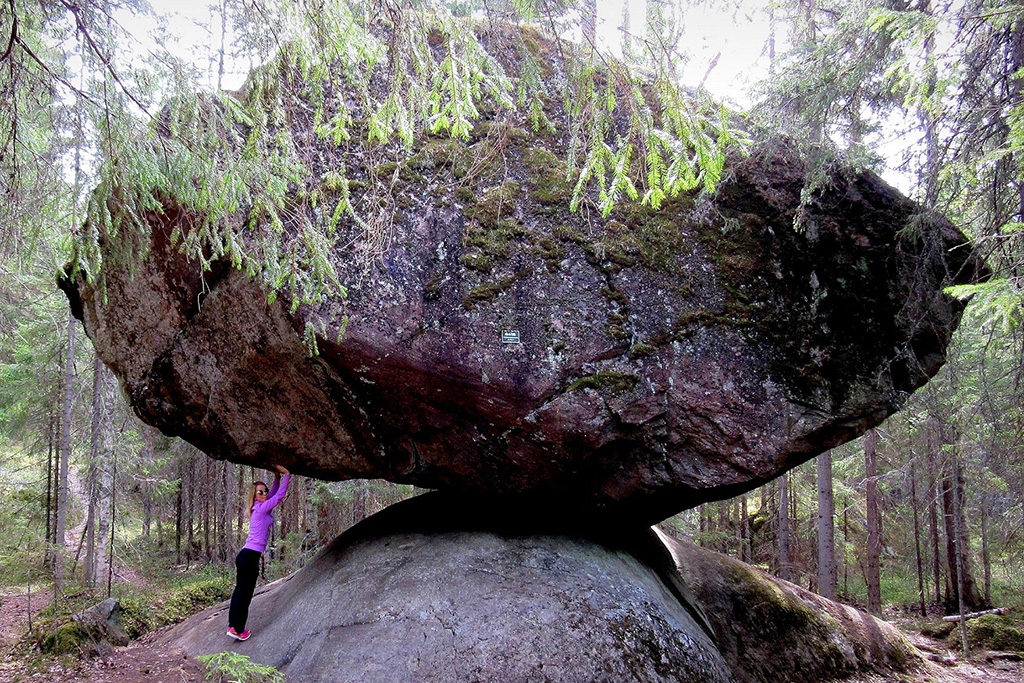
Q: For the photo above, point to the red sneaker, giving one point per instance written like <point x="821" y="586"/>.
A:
<point x="244" y="635"/>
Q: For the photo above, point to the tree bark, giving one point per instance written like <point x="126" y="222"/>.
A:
<point x="179" y="512"/>
<point x="963" y="588"/>
<point x="846" y="542"/>
<point x="917" y="540"/>
<point x="148" y="460"/>
<point x="933" y="444"/>
<point x="51" y="477"/>
<point x="104" y="474"/>
<point x="986" y="560"/>
<point x="745" y="550"/>
<point x="60" y="533"/>
<point x="874" y="522"/>
<point x="783" y="538"/>
<point x="826" y="528"/>
<point x="91" y="479"/>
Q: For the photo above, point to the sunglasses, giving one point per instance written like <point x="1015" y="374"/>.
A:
<point x="261" y="492"/>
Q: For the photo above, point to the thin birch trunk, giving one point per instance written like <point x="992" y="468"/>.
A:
<point x="783" y="539"/>
<point x="826" y="528"/>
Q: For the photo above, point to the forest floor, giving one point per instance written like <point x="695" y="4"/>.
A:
<point x="143" y="661"/>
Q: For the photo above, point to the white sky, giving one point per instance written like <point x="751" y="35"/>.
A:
<point x="738" y="43"/>
<point x="737" y="37"/>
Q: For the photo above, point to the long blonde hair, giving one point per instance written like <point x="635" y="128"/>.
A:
<point x="252" y="496"/>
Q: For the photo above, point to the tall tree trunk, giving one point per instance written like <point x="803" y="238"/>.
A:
<point x="626" y="32"/>
<point x="874" y="522"/>
<point x="744" y="530"/>
<point x="104" y="472"/>
<point x="929" y="120"/>
<point x="179" y="516"/>
<point x="207" y="483"/>
<point x="148" y="460"/>
<point x="826" y="528"/>
<point x="722" y="541"/>
<point x="224" y="527"/>
<point x="846" y="542"/>
<point x="60" y="533"/>
<point x="985" y="559"/>
<point x="917" y="540"/>
<point x="783" y="539"/>
<point x="95" y="464"/>
<point x="933" y="436"/>
<point x="808" y="37"/>
<point x="113" y="519"/>
<point x="738" y="529"/>
<point x="242" y="500"/>
<point x="51" y="460"/>
<point x="964" y="589"/>
<point x="222" y="52"/>
<point x="190" y="509"/>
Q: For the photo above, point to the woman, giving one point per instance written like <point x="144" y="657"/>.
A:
<point x="261" y="519"/>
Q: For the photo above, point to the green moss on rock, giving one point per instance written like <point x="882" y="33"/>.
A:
<point x="615" y="382"/>
<point x="642" y="350"/>
<point x="993" y="632"/>
<point x="69" y="638"/>
<point x="476" y="261"/>
<point x="550" y="188"/>
<point x="491" y="290"/>
<point x="496" y="206"/>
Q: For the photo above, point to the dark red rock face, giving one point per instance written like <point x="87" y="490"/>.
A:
<point x="664" y="359"/>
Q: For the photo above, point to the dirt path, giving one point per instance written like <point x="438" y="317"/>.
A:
<point x="14" y="614"/>
<point x="139" y="662"/>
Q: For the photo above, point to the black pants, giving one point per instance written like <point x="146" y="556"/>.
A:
<point x="248" y="565"/>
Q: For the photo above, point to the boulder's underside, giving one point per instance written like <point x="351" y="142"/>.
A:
<point x="435" y="589"/>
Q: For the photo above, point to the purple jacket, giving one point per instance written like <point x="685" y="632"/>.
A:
<point x="263" y="515"/>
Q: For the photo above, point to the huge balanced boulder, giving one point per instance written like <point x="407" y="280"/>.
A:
<point x="441" y="589"/>
<point x="494" y="342"/>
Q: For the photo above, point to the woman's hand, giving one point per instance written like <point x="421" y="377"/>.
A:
<point x="281" y="469"/>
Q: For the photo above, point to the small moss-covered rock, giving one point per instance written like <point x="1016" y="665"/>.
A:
<point x="772" y="630"/>
<point x="69" y="638"/>
<point x="936" y="629"/>
<point x="992" y="632"/>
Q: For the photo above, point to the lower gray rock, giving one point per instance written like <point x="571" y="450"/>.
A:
<point x="433" y="590"/>
<point x="772" y="630"/>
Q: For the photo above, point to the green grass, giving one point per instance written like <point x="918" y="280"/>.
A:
<point x="147" y="609"/>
